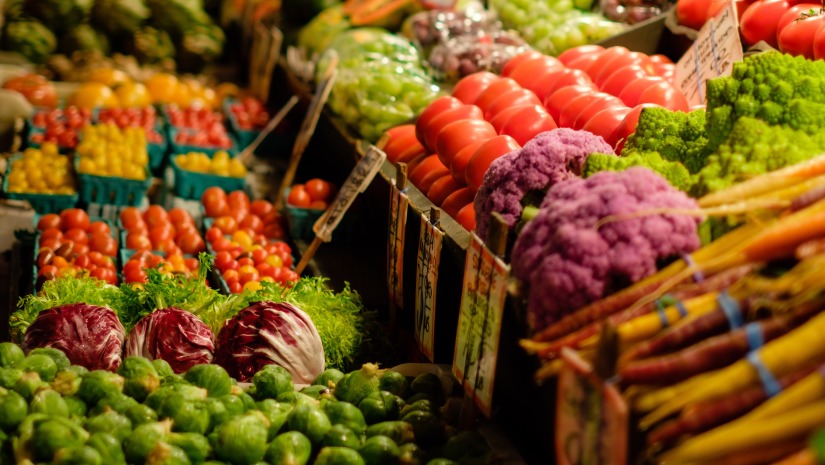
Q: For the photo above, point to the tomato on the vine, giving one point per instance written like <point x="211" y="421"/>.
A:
<point x="797" y="38"/>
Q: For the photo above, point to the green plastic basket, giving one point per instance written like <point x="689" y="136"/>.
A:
<point x="177" y="149"/>
<point x="108" y="190"/>
<point x="42" y="203"/>
<point x="190" y="185"/>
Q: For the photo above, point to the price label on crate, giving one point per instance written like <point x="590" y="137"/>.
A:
<point x="359" y="178"/>
<point x="479" y="322"/>
<point x="426" y="281"/>
<point x="592" y="416"/>
<point x="713" y="54"/>
<point x="395" y="244"/>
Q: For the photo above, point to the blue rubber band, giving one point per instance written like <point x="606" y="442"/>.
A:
<point x="662" y="317"/>
<point x="769" y="382"/>
<point x="697" y="275"/>
<point x="731" y="309"/>
<point x="681" y="308"/>
<point x="756" y="338"/>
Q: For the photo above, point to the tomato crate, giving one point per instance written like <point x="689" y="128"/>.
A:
<point x="301" y="221"/>
<point x="176" y="148"/>
<point x="112" y="190"/>
<point x="190" y="184"/>
<point x="125" y="254"/>
<point x="42" y="203"/>
<point x="156" y="150"/>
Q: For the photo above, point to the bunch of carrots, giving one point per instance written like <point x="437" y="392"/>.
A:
<point x="722" y="354"/>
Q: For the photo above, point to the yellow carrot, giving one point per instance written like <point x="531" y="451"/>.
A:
<point x="647" y="326"/>
<point x="793" y="351"/>
<point x="807" y="390"/>
<point x="652" y="400"/>
<point x="725" y="440"/>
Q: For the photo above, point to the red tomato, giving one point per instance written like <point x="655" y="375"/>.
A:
<point x="574" y="106"/>
<point x="298" y="197"/>
<point x="527" y="123"/>
<point x="76" y="235"/>
<point x="692" y="13"/>
<point x="466" y="217"/>
<point x="428" y="165"/>
<point x="137" y="241"/>
<point x="416" y="161"/>
<point x="517" y="60"/>
<point x="437" y="123"/>
<point x="469" y="87"/>
<point x="819" y="44"/>
<point x="441" y="188"/>
<point x="604" y="103"/>
<point x="179" y="216"/>
<point x="666" y="71"/>
<point x="214" y="202"/>
<point x="606" y="123"/>
<point x="223" y="260"/>
<point x="191" y="263"/>
<point x="484" y="156"/>
<point x="74" y="218"/>
<point x="495" y="90"/>
<point x="185" y="228"/>
<point x="457" y="200"/>
<point x="760" y="20"/>
<point x="155" y="215"/>
<point x="430" y="178"/>
<point x="459" y="134"/>
<point x="632" y="92"/>
<point x="100" y="226"/>
<point x="262" y="208"/>
<point x="265" y="269"/>
<point x="793" y="13"/>
<point x="433" y="110"/>
<point x="51" y="233"/>
<point x="616" y="82"/>
<point x="162" y="232"/>
<point x="104" y="244"/>
<point x="558" y="100"/>
<point x="238" y="200"/>
<point x="226" y="224"/>
<point x="565" y="78"/>
<point x="213" y="234"/>
<point x="252" y="222"/>
<point x="628" y="125"/>
<point x="529" y="73"/>
<point x="400" y="139"/>
<point x="104" y="274"/>
<point x="249" y="276"/>
<point x="797" y="38"/>
<point x="666" y="95"/>
<point x="48" y="221"/>
<point x="131" y="217"/>
<point x="191" y="243"/>
<point x="259" y="255"/>
<point x="604" y="61"/>
<point x="318" y="189"/>
<point x="460" y="160"/>
<point x="509" y="100"/>
<point x="572" y="54"/>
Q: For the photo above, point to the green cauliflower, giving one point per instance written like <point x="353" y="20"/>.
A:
<point x="119" y="17"/>
<point x="178" y="17"/>
<point x="151" y="46"/>
<point x="675" y="173"/>
<point x="200" y="46"/>
<point x="83" y="38"/>
<point x="29" y="38"/>
<point x="59" y="15"/>
<point x="752" y="148"/>
<point x="675" y="135"/>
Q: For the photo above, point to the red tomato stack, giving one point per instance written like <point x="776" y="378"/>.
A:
<point x="792" y="27"/>
<point x="173" y="232"/>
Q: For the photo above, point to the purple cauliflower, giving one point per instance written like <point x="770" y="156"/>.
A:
<point x="567" y="262"/>
<point x="548" y="158"/>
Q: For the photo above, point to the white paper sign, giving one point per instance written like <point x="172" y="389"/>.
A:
<point x="426" y="280"/>
<point x="712" y="55"/>
<point x="395" y="244"/>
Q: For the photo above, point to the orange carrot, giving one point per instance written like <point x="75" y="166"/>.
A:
<point x="803" y="457"/>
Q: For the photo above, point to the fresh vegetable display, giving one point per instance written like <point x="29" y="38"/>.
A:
<point x="220" y="163"/>
<point x="315" y="193"/>
<point x="42" y="171"/>
<point x="107" y="150"/>
<point x="172" y="232"/>
<point x="171" y="262"/>
<point x="250" y="114"/>
<point x="60" y="126"/>
<point x="145" y="118"/>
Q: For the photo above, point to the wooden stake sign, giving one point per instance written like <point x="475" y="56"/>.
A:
<point x="479" y="322"/>
<point x="426" y="281"/>
<point x="395" y="241"/>
<point x="249" y="151"/>
<point x="308" y="127"/>
<point x="359" y="179"/>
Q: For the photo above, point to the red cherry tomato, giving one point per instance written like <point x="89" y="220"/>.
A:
<point x="606" y="123"/>
<point x="262" y="208"/>
<point x="484" y="156"/>
<point x="572" y="54"/>
<point x="191" y="243"/>
<point x="632" y="92"/>
<point x="628" y="125"/>
<point x="138" y="241"/>
<point x="509" y="100"/>
<point x="527" y="123"/>
<point x="495" y="90"/>
<point x="469" y="87"/>
<point x="428" y="165"/>
<point x="77" y="235"/>
<point x="460" y="160"/>
<point x="155" y="215"/>
<point x="606" y="102"/>
<point x="238" y="200"/>
<point x="298" y="197"/>
<point x="666" y="95"/>
<point x="458" y="134"/>
<point x="620" y="78"/>
<point x="457" y="200"/>
<point x="104" y="244"/>
<point x="100" y="226"/>
<point x="214" y="202"/>
<point x="251" y="222"/>
<point x="466" y="217"/>
<point x="74" y="218"/>
<point x="433" y="110"/>
<point x="760" y="21"/>
<point x="558" y="100"/>
<point x="564" y="78"/>
<point x="47" y="221"/>
<point x="318" y="189"/>
<point x="797" y="38"/>
<point x="131" y="217"/>
<point x="442" y="188"/>
<point x="179" y="216"/>
<point x="517" y="60"/>
<point x="446" y="117"/>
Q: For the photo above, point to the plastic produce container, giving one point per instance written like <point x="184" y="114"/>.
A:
<point x="110" y="190"/>
<point x="190" y="184"/>
<point x="176" y="149"/>
<point x="42" y="203"/>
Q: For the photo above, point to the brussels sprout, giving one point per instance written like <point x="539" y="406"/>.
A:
<point x="141" y="378"/>
<point x="297" y="398"/>
<point x="411" y="454"/>
<point x="118" y="402"/>
<point x="144" y="439"/>
<point x="338" y="456"/>
<point x="110" y="422"/>
<point x="344" y="413"/>
<point x="41" y="364"/>
<point x="10" y="354"/>
<point x="429" y="384"/>
<point x="380" y="406"/>
<point x="399" y="431"/>
<point x="79" y="370"/>
<point x="380" y="450"/>
<point x="66" y="382"/>
<point x="394" y="382"/>
<point x="162" y="367"/>
<point x="328" y="377"/>
<point x="213" y="378"/>
<point x="108" y="447"/>
<point x="53" y="434"/>
<point x="140" y="414"/>
<point x="290" y="448"/>
<point x="166" y="454"/>
<point x="60" y="359"/>
<point x="28" y="384"/>
<point x="341" y="436"/>
<point x="311" y="421"/>
<point x="189" y="392"/>
<point x="9" y="377"/>
<point x="318" y="392"/>
<point x="196" y="446"/>
<point x="358" y="384"/>
<point x="77" y="409"/>
<point x="235" y="406"/>
<point x="77" y="455"/>
<point x="98" y="384"/>
<point x="13" y="409"/>
<point x="49" y="402"/>
<point x="188" y="416"/>
<point x="271" y="382"/>
<point x="247" y="401"/>
<point x="242" y="440"/>
<point x="277" y="414"/>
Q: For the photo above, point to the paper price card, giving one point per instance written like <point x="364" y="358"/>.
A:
<point x="357" y="182"/>
<point x="395" y="244"/>
<point x="591" y="416"/>
<point x="479" y="323"/>
<point x="426" y="280"/>
<point x="712" y="55"/>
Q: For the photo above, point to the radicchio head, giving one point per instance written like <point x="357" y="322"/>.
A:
<point x="174" y="335"/>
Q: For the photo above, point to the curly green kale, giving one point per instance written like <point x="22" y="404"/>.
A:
<point x="29" y="38"/>
<point x="676" y="136"/>
<point x="675" y="173"/>
<point x="752" y="148"/>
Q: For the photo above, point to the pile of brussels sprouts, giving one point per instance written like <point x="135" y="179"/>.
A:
<point x="58" y="413"/>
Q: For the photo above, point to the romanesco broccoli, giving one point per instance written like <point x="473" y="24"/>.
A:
<point x="676" y="136"/>
<point x="675" y="173"/>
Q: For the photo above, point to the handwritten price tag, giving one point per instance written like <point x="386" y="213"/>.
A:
<point x="426" y="280"/>
<point x="395" y="244"/>
<point x="712" y="55"/>
<point x="357" y="182"/>
<point x="479" y="323"/>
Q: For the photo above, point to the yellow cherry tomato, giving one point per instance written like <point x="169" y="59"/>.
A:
<point x="93" y="94"/>
<point x="162" y="87"/>
<point x="252" y="286"/>
<point x="242" y="238"/>
<point x="275" y="261"/>
<point x="133" y="95"/>
<point x="109" y="77"/>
